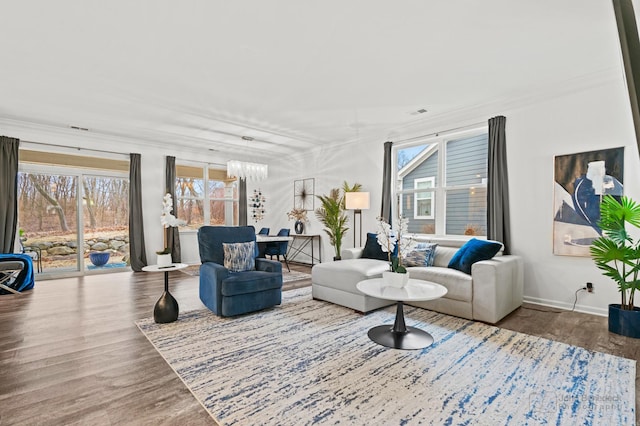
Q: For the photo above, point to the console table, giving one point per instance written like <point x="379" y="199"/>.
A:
<point x="304" y="244"/>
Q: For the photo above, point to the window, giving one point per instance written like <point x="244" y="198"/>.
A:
<point x="71" y="207"/>
<point x="442" y="184"/>
<point x="423" y="200"/>
<point x="213" y="203"/>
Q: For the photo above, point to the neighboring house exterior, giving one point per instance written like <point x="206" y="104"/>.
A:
<point x="454" y="185"/>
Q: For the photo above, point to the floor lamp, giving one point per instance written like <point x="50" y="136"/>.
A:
<point x="356" y="201"/>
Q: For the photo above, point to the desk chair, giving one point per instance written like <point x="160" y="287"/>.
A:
<point x="279" y="248"/>
<point x="35" y="253"/>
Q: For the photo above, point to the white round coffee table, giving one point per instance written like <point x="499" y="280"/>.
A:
<point x="399" y="336"/>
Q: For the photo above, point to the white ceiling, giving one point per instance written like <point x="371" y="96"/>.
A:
<point x="291" y="74"/>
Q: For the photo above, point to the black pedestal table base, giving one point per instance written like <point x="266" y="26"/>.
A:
<point x="166" y="308"/>
<point x="400" y="336"/>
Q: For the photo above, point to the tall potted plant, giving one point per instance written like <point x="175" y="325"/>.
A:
<point x="333" y="217"/>
<point x="618" y="256"/>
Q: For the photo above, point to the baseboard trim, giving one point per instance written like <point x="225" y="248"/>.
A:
<point x="567" y="306"/>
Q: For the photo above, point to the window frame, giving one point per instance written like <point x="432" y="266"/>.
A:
<point x="439" y="191"/>
<point x="209" y="174"/>
<point x="430" y="198"/>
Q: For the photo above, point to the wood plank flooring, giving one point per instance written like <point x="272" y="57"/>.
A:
<point x="70" y="353"/>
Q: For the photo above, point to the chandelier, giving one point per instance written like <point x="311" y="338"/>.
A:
<point x="246" y="171"/>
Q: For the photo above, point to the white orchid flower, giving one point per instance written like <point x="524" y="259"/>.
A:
<point x="167" y="219"/>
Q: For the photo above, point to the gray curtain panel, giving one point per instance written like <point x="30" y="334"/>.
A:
<point x="8" y="192"/>
<point x="173" y="234"/>
<point x="137" y="250"/>
<point x="242" y="207"/>
<point x="498" y="222"/>
<point x="385" y="210"/>
<point x="630" y="49"/>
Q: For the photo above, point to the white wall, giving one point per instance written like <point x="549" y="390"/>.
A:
<point x="330" y="167"/>
<point x="591" y="118"/>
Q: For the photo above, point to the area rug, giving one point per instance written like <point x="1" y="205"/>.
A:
<point x="194" y="270"/>
<point x="308" y="362"/>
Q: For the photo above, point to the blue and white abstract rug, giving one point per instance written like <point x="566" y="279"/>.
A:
<point x="308" y="362"/>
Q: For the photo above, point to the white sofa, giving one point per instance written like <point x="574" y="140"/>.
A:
<point x="492" y="291"/>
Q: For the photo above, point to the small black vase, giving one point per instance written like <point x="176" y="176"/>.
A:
<point x="298" y="227"/>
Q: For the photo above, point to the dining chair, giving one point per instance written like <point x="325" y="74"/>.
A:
<point x="279" y="248"/>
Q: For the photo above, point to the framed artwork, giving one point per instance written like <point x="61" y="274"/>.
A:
<point x="580" y="182"/>
<point x="303" y="194"/>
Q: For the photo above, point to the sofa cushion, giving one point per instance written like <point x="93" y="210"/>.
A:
<point x="345" y="274"/>
<point x="474" y="251"/>
<point x="422" y="255"/>
<point x="250" y="282"/>
<point x="443" y="256"/>
<point x="459" y="285"/>
<point x="372" y="249"/>
<point x="239" y="257"/>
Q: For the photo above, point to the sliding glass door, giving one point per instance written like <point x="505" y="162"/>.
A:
<point x="105" y="211"/>
<point x="73" y="221"/>
<point x="48" y="219"/>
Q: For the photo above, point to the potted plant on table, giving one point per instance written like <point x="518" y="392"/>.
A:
<point x="394" y="242"/>
<point x="333" y="217"/>
<point x="167" y="220"/>
<point x="300" y="217"/>
<point x="618" y="256"/>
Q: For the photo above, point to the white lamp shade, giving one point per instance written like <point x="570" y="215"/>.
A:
<point x="356" y="200"/>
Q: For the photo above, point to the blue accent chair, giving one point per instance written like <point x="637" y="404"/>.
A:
<point x="279" y="248"/>
<point x="264" y="231"/>
<point x="228" y="293"/>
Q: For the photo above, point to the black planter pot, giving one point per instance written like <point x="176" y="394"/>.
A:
<point x="298" y="227"/>
<point x="623" y="322"/>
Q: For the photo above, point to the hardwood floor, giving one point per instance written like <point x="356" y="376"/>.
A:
<point x="70" y="353"/>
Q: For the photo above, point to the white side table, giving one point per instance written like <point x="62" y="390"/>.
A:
<point x="400" y="336"/>
<point x="166" y="308"/>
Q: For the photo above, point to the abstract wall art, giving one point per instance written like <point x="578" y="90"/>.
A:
<point x="303" y="194"/>
<point x="580" y="182"/>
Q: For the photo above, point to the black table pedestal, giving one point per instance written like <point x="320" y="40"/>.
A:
<point x="400" y="336"/>
<point x="166" y="308"/>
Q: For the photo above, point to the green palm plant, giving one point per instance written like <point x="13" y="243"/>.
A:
<point x="333" y="217"/>
<point x="615" y="252"/>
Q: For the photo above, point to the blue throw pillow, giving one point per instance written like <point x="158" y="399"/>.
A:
<point x="473" y="251"/>
<point x="372" y="249"/>
<point x="422" y="255"/>
<point x="239" y="257"/>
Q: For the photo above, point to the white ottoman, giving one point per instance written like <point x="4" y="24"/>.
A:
<point x="336" y="282"/>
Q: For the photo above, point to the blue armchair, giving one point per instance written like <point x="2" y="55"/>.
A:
<point x="229" y="293"/>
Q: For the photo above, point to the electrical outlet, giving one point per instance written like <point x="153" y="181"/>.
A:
<point x="590" y="287"/>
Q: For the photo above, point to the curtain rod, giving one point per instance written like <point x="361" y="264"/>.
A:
<point x="75" y="147"/>
<point x="455" y="129"/>
<point x="105" y="151"/>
